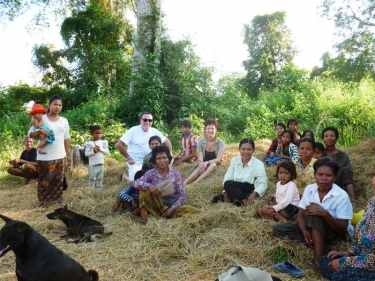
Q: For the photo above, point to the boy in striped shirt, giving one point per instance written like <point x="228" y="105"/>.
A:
<point x="189" y="145"/>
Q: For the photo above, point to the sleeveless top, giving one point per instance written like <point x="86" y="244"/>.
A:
<point x="209" y="155"/>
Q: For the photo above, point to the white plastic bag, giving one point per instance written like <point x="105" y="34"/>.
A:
<point x="242" y="273"/>
<point x="166" y="187"/>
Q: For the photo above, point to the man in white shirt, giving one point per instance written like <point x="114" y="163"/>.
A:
<point x="136" y="140"/>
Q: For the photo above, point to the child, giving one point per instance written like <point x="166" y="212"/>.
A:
<point x="37" y="112"/>
<point x="287" y="150"/>
<point x="189" y="145"/>
<point x="95" y="150"/>
<point x="308" y="134"/>
<point x="293" y="126"/>
<point x="128" y="198"/>
<point x="319" y="150"/>
<point x="270" y="157"/>
<point x="152" y="142"/>
<point x="284" y="205"/>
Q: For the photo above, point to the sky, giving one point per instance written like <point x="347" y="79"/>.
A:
<point x="215" y="28"/>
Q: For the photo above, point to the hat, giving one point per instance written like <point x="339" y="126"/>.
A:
<point x="38" y="108"/>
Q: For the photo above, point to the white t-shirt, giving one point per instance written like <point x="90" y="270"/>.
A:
<point x="336" y="202"/>
<point x="56" y="149"/>
<point x="137" y="141"/>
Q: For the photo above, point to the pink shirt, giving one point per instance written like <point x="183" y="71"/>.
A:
<point x="286" y="194"/>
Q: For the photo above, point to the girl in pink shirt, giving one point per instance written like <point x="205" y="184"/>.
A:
<point x="284" y="205"/>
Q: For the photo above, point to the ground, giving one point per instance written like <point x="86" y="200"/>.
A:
<point x="196" y="247"/>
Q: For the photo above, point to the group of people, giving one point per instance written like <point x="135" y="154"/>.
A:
<point x="315" y="182"/>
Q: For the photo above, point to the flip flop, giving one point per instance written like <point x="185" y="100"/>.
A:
<point x="288" y="268"/>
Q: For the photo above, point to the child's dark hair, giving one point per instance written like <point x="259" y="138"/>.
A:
<point x="186" y="123"/>
<point x="310" y="140"/>
<point x="281" y="125"/>
<point x="139" y="174"/>
<point x="154" y="138"/>
<point x="292" y="120"/>
<point x="289" y="166"/>
<point x="308" y="131"/>
<point x="320" y="146"/>
<point x="249" y="141"/>
<point x="291" y="134"/>
<point x="147" y="166"/>
<point x="94" y="127"/>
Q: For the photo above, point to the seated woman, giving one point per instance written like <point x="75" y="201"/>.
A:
<point x="304" y="165"/>
<point x="324" y="212"/>
<point x="359" y="262"/>
<point x="210" y="152"/>
<point x="330" y="136"/>
<point x="245" y="179"/>
<point x="149" y="192"/>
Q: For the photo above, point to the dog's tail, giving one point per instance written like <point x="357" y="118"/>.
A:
<point x="99" y="235"/>
<point x="93" y="275"/>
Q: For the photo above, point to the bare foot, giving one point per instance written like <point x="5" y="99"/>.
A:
<point x="315" y="267"/>
<point x="125" y="178"/>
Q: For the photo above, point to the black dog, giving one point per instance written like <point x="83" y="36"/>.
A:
<point x="81" y="227"/>
<point x="36" y="258"/>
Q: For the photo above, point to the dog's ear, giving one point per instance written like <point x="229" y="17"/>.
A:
<point x="22" y="227"/>
<point x="6" y="219"/>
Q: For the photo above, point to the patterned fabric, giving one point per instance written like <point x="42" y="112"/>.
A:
<point x="305" y="175"/>
<point x="155" y="205"/>
<point x="350" y="273"/>
<point x="342" y="159"/>
<point x="188" y="143"/>
<point x="129" y="194"/>
<point x="363" y="248"/>
<point x="153" y="177"/>
<point x="272" y="148"/>
<point x="292" y="152"/>
<point x="51" y="180"/>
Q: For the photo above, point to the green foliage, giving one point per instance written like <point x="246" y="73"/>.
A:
<point x="269" y="44"/>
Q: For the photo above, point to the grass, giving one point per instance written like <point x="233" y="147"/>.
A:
<point x="196" y="247"/>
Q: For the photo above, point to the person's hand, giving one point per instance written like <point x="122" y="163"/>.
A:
<point x="272" y="155"/>
<point x="134" y="203"/>
<point x="202" y="167"/>
<point x="315" y="209"/>
<point x="177" y="163"/>
<point x="168" y="213"/>
<point x="154" y="190"/>
<point x="44" y="131"/>
<point x="334" y="265"/>
<point x="338" y="254"/>
<point x="69" y="159"/>
<point x="307" y="237"/>
<point x="131" y="161"/>
<point x="271" y="199"/>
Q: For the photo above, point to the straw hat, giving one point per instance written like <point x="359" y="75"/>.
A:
<point x="38" y="108"/>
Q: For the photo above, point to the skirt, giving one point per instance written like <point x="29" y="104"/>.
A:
<point x="51" y="180"/>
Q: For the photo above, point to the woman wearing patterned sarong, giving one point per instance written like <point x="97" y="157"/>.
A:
<point x="150" y="200"/>
<point x="51" y="166"/>
<point x="357" y="264"/>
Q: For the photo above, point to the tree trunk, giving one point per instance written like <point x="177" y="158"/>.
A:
<point x="147" y="39"/>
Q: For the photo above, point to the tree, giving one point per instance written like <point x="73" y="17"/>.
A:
<point x="270" y="47"/>
<point x="97" y="53"/>
<point x="356" y="28"/>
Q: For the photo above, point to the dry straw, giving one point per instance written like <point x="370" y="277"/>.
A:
<point x="196" y="247"/>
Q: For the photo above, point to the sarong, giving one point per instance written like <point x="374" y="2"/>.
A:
<point x="51" y="180"/>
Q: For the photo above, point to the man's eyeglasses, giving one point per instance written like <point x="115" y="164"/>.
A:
<point x="147" y="120"/>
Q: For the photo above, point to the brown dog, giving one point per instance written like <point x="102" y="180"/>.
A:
<point x="80" y="227"/>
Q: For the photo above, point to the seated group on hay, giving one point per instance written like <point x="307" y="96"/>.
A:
<point x="315" y="192"/>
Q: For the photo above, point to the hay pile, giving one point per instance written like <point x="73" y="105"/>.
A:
<point x="196" y="247"/>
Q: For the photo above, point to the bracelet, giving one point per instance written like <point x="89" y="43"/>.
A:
<point x="128" y="158"/>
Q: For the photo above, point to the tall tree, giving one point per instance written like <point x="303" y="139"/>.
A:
<point x="270" y="47"/>
<point x="96" y="56"/>
<point x="355" y="22"/>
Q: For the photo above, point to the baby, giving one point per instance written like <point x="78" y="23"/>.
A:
<point x="37" y="112"/>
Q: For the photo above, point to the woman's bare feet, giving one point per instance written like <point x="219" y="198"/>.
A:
<point x="124" y="178"/>
<point x="315" y="267"/>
